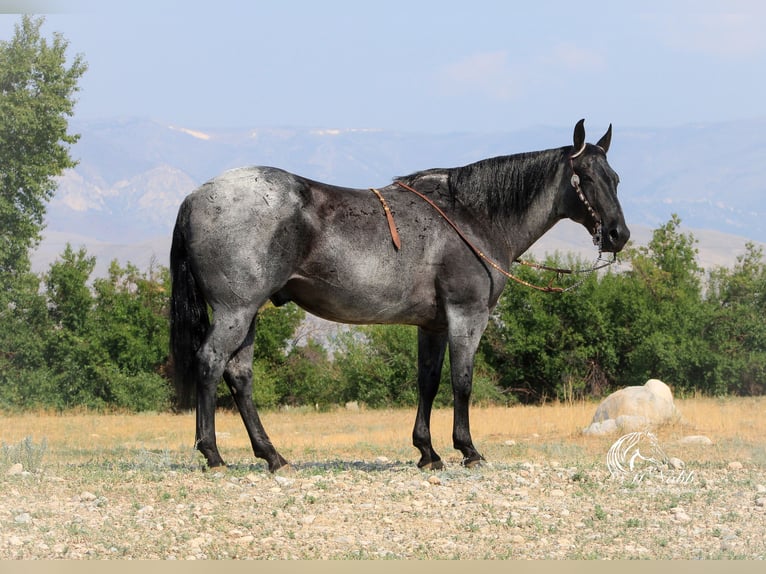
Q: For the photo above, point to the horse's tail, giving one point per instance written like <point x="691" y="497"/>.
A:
<point x="189" y="320"/>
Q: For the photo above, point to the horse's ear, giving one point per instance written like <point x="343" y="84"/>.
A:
<point x="579" y="135"/>
<point x="606" y="139"/>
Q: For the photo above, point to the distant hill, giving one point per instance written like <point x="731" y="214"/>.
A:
<point x="121" y="200"/>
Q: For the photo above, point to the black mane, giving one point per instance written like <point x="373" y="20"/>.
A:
<point x="498" y="186"/>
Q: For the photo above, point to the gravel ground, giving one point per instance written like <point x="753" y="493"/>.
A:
<point x="156" y="508"/>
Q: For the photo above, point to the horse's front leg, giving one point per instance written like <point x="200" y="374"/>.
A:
<point x="465" y="331"/>
<point x="431" y="348"/>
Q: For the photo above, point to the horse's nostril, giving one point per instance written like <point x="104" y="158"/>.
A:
<point x="614" y="235"/>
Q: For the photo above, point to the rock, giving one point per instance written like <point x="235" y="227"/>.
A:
<point x="760" y="488"/>
<point x="697" y="439"/>
<point x="87" y="496"/>
<point x="760" y="501"/>
<point x="634" y="408"/>
<point x="434" y="480"/>
<point x="735" y="465"/>
<point x="676" y="463"/>
<point x="653" y="400"/>
<point x="23" y="518"/>
<point x="680" y="514"/>
<point x="606" y="427"/>
<point x="352" y="406"/>
<point x="15" y="469"/>
<point x="284" y="481"/>
<point x="632" y="423"/>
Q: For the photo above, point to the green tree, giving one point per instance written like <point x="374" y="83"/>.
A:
<point x="69" y="294"/>
<point x="666" y="317"/>
<point x="551" y="345"/>
<point x="37" y="90"/>
<point x="737" y="330"/>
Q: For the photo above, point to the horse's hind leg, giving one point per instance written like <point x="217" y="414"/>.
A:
<point x="239" y="377"/>
<point x="226" y="336"/>
<point x="431" y="348"/>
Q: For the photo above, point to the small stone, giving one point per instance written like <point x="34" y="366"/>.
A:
<point x="557" y="492"/>
<point x="760" y="501"/>
<point x="23" y="518"/>
<point x="284" y="481"/>
<point x="516" y="539"/>
<point x="434" y="480"/>
<point x="760" y="488"/>
<point x="735" y="465"/>
<point x="680" y="514"/>
<point x="308" y="519"/>
<point x="382" y="460"/>
<point x="510" y="443"/>
<point x="676" y="463"/>
<point x="87" y="496"/>
<point x="16" y="469"/>
<point x="352" y="406"/>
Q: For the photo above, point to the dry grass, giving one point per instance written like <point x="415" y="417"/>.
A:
<point x="737" y="427"/>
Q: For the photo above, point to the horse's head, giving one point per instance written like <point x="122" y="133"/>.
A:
<point x="590" y="197"/>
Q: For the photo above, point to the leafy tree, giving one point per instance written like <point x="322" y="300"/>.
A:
<point x="737" y="330"/>
<point x="309" y="377"/>
<point x="551" y="345"/>
<point x="37" y="91"/>
<point x="666" y="317"/>
<point x="67" y="289"/>
<point x="130" y="319"/>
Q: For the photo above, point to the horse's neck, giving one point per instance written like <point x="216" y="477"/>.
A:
<point x="525" y="227"/>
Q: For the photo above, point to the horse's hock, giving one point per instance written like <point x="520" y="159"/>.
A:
<point x="634" y="408"/>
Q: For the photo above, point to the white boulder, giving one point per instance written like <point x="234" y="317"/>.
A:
<point x="634" y="408"/>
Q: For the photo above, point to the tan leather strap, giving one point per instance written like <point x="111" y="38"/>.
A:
<point x="389" y="218"/>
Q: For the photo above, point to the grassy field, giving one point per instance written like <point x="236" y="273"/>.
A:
<point x="737" y="427"/>
<point x="96" y="486"/>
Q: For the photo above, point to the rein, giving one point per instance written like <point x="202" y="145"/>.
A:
<point x="598" y="264"/>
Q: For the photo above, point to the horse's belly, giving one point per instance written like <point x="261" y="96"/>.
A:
<point x="363" y="304"/>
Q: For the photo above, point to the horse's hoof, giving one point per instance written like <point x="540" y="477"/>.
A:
<point x="433" y="465"/>
<point x="285" y="470"/>
<point x="473" y="462"/>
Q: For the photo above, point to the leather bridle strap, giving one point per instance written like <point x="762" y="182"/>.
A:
<point x="389" y="218"/>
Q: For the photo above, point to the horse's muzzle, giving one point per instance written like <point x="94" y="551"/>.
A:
<point x="614" y="237"/>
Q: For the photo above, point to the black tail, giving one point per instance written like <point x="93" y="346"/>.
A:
<point x="189" y="320"/>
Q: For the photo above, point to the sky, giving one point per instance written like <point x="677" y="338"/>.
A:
<point x="419" y="66"/>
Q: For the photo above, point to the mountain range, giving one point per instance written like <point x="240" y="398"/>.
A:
<point x="122" y="198"/>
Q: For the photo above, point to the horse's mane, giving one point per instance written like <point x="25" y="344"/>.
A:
<point x="498" y="186"/>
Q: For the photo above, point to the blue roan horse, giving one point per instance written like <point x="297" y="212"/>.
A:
<point x="260" y="233"/>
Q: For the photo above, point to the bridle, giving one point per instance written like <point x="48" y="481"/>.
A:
<point x="599" y="263"/>
<point x="575" y="181"/>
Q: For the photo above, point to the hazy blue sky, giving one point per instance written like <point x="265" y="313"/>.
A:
<point x="435" y="66"/>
